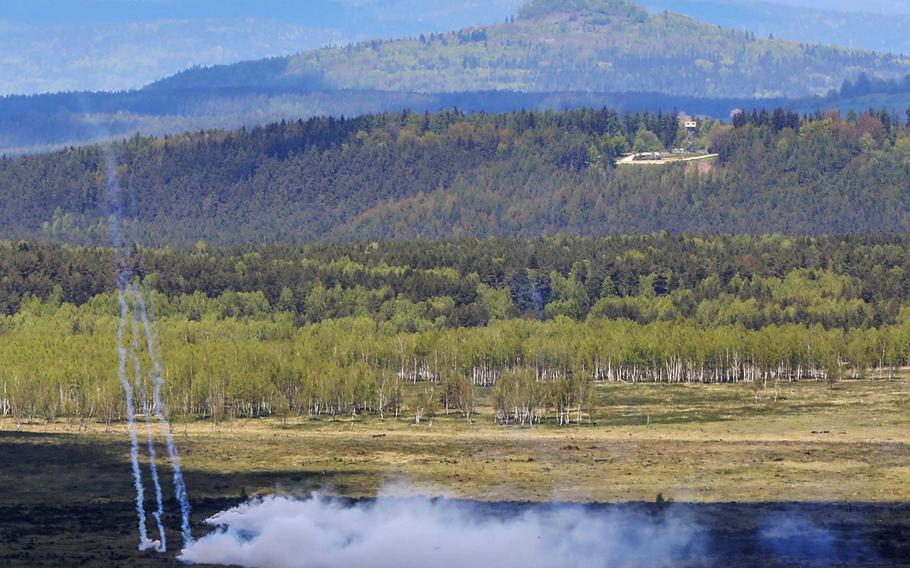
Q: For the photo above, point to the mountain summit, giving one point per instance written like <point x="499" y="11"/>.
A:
<point x="556" y="54"/>
<point x="625" y="9"/>
<point x="603" y="46"/>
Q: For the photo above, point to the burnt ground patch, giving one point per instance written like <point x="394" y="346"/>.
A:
<point x="67" y="500"/>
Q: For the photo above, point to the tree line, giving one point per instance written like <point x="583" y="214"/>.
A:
<point x="845" y="282"/>
<point x="409" y="330"/>
<point x="60" y="362"/>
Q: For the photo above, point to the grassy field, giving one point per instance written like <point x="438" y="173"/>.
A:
<point x="65" y="496"/>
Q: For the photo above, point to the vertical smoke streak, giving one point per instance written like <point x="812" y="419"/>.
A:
<point x="157" y="382"/>
<point x="144" y="542"/>
<point x="153" y="465"/>
<point x="123" y="272"/>
<point x="124" y="276"/>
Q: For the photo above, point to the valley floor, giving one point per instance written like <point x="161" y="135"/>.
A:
<point x="66" y="495"/>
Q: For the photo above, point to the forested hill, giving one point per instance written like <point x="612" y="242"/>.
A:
<point x="566" y="45"/>
<point x="557" y="54"/>
<point x="447" y="175"/>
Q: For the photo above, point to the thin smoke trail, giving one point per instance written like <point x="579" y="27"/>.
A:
<point x="122" y="278"/>
<point x="124" y="275"/>
<point x="144" y="542"/>
<point x="157" y="382"/>
<point x="153" y="466"/>
<point x="156" y="374"/>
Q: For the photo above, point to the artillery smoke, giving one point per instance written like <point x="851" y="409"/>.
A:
<point x="141" y="318"/>
<point x="798" y="540"/>
<point x="157" y="382"/>
<point x="123" y="274"/>
<point x="150" y="440"/>
<point x="322" y="532"/>
<point x="144" y="542"/>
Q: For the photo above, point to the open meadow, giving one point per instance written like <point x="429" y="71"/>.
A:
<point x="731" y="453"/>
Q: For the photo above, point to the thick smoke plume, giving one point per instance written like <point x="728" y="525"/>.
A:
<point x="321" y="532"/>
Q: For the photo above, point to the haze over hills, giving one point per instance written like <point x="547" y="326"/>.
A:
<point x="556" y="54"/>
<point x="874" y="6"/>
<point x="811" y="22"/>
<point x="94" y="45"/>
<point x="567" y="45"/>
<point x="128" y="55"/>
<point x="112" y="45"/>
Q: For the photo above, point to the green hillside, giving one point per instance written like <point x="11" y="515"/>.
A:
<point x="449" y="175"/>
<point x="567" y="45"/>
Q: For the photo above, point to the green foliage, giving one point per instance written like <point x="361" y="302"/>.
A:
<point x="843" y="282"/>
<point x="647" y="141"/>
<point x="497" y="302"/>
<point x="405" y="329"/>
<point x="449" y="175"/>
<point x="62" y="363"/>
<point x="564" y="45"/>
<point x="619" y="8"/>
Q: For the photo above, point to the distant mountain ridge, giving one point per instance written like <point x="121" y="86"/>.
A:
<point x="567" y="45"/>
<point x="557" y="54"/>
<point x="30" y="125"/>
<point x="91" y="45"/>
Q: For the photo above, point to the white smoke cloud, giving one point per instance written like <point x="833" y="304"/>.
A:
<point x="321" y="532"/>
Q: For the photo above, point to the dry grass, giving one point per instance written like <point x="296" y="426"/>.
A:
<point x="704" y="444"/>
<point x="698" y="443"/>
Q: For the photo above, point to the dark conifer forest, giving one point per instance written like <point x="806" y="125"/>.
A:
<point x="447" y="175"/>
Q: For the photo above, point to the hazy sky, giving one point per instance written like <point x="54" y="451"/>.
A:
<point x="61" y="45"/>
<point x="877" y="6"/>
<point x="317" y="13"/>
<point x="58" y="45"/>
